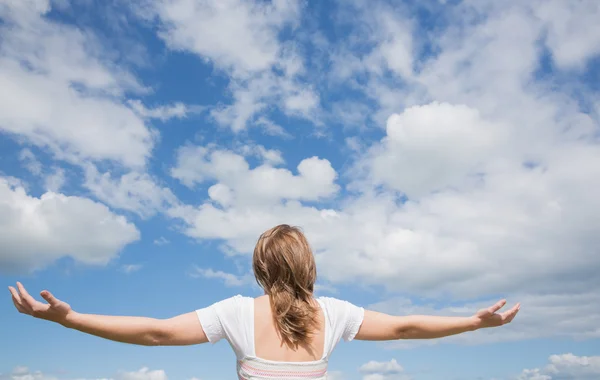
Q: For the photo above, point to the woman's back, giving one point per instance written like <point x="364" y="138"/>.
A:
<point x="267" y="339"/>
<point x="248" y="325"/>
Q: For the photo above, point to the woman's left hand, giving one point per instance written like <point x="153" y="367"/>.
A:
<point x="490" y="317"/>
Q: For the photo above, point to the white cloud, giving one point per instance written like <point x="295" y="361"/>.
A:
<point x="229" y="279"/>
<point x="60" y="92"/>
<point x="390" y="370"/>
<point x="37" y="231"/>
<point x="241" y="38"/>
<point x="272" y="129"/>
<point x="143" y="373"/>
<point x="161" y="241"/>
<point x="55" y="181"/>
<point x="269" y="156"/>
<point x="573" y="30"/>
<point x="24" y="373"/>
<point x="130" y="268"/>
<point x="31" y="163"/>
<point x="431" y="147"/>
<point x="565" y="367"/>
<point x="133" y="191"/>
<point x="164" y="113"/>
<point x="231" y="171"/>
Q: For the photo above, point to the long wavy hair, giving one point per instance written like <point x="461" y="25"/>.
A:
<point x="285" y="268"/>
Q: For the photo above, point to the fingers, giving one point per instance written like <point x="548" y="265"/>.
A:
<point x="30" y="304"/>
<point x="17" y="300"/>
<point x="509" y="315"/>
<point x="497" y="306"/>
<point x="49" y="298"/>
<point x="26" y="299"/>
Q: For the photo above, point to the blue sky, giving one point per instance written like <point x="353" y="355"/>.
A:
<point x="438" y="154"/>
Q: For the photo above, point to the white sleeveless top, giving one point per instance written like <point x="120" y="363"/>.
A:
<point x="233" y="320"/>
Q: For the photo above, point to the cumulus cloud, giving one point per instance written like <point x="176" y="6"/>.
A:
<point x="431" y="147"/>
<point x="242" y="39"/>
<point x="24" y="373"/>
<point x="55" y="180"/>
<point x="59" y="91"/>
<point x="390" y="370"/>
<point x="37" y="231"/>
<point x="231" y="171"/>
<point x="563" y="367"/>
<point x="229" y="279"/>
<point x="144" y="373"/>
<point x="134" y="191"/>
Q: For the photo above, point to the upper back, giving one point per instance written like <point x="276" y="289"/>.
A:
<point x="267" y="339"/>
<point x="248" y="326"/>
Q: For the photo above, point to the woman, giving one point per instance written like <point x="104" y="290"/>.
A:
<point x="286" y="333"/>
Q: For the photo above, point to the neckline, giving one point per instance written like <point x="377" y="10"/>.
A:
<point x="299" y="363"/>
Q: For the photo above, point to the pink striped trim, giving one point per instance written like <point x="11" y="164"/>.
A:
<point x="280" y="373"/>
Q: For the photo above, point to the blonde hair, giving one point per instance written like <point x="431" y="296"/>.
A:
<point x="285" y="268"/>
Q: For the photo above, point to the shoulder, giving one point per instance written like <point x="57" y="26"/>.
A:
<point x="229" y="305"/>
<point x="336" y="308"/>
<point x="335" y="302"/>
<point x="343" y="317"/>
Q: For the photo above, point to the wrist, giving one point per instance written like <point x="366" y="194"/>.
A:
<point x="70" y="320"/>
<point x="474" y="323"/>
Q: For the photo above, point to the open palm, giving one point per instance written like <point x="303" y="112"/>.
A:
<point x="55" y="310"/>
<point x="490" y="317"/>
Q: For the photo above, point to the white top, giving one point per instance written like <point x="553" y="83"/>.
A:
<point x="233" y="319"/>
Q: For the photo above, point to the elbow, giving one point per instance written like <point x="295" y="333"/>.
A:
<point x="155" y="340"/>
<point x="404" y="333"/>
<point x="159" y="336"/>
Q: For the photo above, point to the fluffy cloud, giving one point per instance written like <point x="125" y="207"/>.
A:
<point x="431" y="147"/>
<point x="573" y="31"/>
<point x="244" y="201"/>
<point x="231" y="171"/>
<point x="24" y="373"/>
<point x="144" y="373"/>
<point x="134" y="191"/>
<point x="564" y="367"/>
<point x="37" y="231"/>
<point x="61" y="93"/>
<point x="229" y="279"/>
<point x="244" y="34"/>
<point x="241" y="38"/>
<point x="55" y="180"/>
<point x="391" y="370"/>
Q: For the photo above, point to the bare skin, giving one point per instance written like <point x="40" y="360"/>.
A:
<point x="185" y="329"/>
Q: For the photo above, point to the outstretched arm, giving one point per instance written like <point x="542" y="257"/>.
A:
<point x="380" y="326"/>
<point x="184" y="329"/>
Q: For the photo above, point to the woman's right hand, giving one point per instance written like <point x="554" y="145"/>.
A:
<point x="55" y="310"/>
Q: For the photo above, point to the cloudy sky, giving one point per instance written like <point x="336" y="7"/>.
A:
<point x="439" y="155"/>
